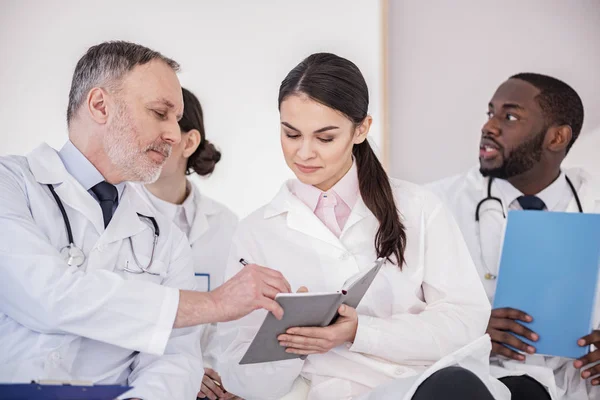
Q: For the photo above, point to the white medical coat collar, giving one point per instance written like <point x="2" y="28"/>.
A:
<point x="587" y="186"/>
<point x="205" y="207"/>
<point x="48" y="169"/>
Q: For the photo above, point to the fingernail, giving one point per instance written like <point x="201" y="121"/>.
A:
<point x="521" y="357"/>
<point x="529" y="319"/>
<point x="343" y="308"/>
<point x="581" y="342"/>
<point x="535" y="337"/>
<point x="585" y="374"/>
<point x="595" y="383"/>
<point x="578" y="364"/>
<point x="531" y="349"/>
<point x="290" y="331"/>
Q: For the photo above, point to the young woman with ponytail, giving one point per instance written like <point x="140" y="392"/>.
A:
<point x="339" y="215"/>
<point x="208" y="225"/>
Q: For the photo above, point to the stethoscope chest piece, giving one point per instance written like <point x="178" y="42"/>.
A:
<point x="490" y="276"/>
<point x="73" y="255"/>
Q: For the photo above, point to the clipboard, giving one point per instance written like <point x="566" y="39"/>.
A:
<point x="61" y="391"/>
<point x="550" y="269"/>
<point x="306" y="309"/>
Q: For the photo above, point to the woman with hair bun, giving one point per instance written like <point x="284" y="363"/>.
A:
<point x="208" y="225"/>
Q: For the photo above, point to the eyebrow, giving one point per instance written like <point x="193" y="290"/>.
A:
<point x="510" y="106"/>
<point x="324" y="129"/>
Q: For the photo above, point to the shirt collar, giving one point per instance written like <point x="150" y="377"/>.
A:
<point x="170" y="210"/>
<point x="84" y="172"/>
<point x="551" y="195"/>
<point x="346" y="188"/>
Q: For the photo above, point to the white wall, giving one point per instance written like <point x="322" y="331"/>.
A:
<point x="234" y="55"/>
<point x="586" y="153"/>
<point x="448" y="57"/>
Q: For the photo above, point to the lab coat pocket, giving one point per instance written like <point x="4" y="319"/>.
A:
<point x="139" y="259"/>
<point x="141" y="267"/>
<point x="329" y="388"/>
<point x="202" y="282"/>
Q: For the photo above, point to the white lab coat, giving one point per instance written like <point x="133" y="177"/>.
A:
<point x="408" y="319"/>
<point x="95" y="322"/>
<point x="462" y="194"/>
<point x="210" y="237"/>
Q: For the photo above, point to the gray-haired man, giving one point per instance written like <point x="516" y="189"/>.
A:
<point x="92" y="282"/>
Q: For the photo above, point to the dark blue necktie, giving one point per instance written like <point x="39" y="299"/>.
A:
<point x="531" y="203"/>
<point x="107" y="196"/>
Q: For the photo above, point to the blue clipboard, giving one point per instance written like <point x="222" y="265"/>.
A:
<point x="27" y="391"/>
<point x="549" y="269"/>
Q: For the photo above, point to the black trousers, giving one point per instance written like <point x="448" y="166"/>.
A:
<point x="525" y="388"/>
<point x="453" y="383"/>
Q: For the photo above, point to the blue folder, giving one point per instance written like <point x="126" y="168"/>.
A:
<point x="26" y="391"/>
<point x="549" y="269"/>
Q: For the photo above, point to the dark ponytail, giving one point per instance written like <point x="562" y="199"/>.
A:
<point x="206" y="156"/>
<point x="338" y="84"/>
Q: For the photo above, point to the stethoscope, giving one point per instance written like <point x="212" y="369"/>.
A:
<point x="74" y="256"/>
<point x="489" y="275"/>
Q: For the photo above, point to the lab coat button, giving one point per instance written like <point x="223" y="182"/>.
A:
<point x="55" y="356"/>
<point x="100" y="248"/>
<point x="344" y="256"/>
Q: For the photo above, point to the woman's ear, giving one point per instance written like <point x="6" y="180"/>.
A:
<point x="191" y="140"/>
<point x="362" y="130"/>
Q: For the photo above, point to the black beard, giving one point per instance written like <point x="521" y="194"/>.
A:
<point x="520" y="160"/>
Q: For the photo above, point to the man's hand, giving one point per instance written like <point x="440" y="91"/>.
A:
<point x="590" y="358"/>
<point x="504" y="321"/>
<point x="306" y="341"/>
<point x="253" y="288"/>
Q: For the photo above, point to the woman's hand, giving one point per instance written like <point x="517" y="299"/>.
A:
<point x="307" y="341"/>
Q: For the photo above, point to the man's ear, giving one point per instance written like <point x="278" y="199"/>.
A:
<point x="97" y="105"/>
<point x="558" y="138"/>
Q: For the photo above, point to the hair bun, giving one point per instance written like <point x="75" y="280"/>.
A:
<point x="203" y="161"/>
